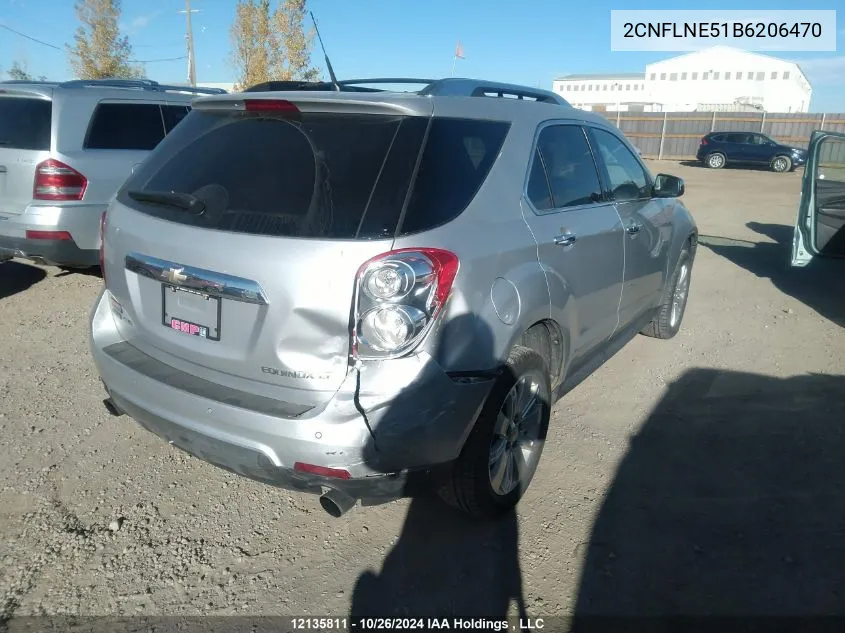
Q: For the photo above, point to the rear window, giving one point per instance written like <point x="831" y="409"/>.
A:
<point x="25" y="123"/>
<point x="133" y="126"/>
<point x="341" y="176"/>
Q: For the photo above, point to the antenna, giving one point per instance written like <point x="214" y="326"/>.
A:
<point x="325" y="54"/>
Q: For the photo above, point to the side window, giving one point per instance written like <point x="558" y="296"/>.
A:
<point x="538" y="185"/>
<point x="136" y="126"/>
<point x="569" y="167"/>
<point x="628" y="179"/>
<point x="172" y="114"/>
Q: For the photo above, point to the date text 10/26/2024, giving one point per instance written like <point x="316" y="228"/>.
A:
<point x="415" y="624"/>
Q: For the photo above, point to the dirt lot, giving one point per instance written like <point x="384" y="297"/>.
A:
<point x="698" y="475"/>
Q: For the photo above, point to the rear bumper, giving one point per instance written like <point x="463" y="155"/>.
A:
<point x="82" y="222"/>
<point x="52" y="252"/>
<point x="385" y="432"/>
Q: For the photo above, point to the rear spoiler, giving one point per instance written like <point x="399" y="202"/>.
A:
<point x="307" y="101"/>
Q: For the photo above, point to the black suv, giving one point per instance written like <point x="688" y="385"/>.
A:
<point x="749" y="148"/>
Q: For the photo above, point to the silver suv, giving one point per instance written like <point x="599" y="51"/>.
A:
<point x="65" y="148"/>
<point x="352" y="292"/>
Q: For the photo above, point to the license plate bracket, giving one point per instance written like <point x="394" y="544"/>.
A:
<point x="191" y="312"/>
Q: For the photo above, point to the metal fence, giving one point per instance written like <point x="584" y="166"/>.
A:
<point x="676" y="135"/>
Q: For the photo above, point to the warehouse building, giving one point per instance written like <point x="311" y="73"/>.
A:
<point x="721" y="79"/>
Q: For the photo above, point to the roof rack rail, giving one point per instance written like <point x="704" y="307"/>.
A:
<point x="141" y="84"/>
<point x="451" y="87"/>
<point x="455" y="87"/>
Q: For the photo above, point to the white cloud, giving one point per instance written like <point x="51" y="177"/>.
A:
<point x="140" y="22"/>
<point x="824" y="70"/>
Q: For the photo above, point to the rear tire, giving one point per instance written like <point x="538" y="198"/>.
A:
<point x="504" y="447"/>
<point x="670" y="314"/>
<point x="716" y="160"/>
<point x="781" y="164"/>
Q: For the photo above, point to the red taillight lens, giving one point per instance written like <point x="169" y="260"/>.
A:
<point x="270" y="105"/>
<point x="323" y="471"/>
<point x="103" y="245"/>
<point x="398" y="296"/>
<point x="704" y="141"/>
<point x="56" y="181"/>
<point x="48" y="235"/>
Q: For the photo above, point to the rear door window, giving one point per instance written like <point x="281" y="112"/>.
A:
<point x="569" y="169"/>
<point x="341" y="176"/>
<point x="25" y="123"/>
<point x="129" y="126"/>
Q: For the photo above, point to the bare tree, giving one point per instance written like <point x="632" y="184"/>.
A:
<point x="292" y="43"/>
<point x="271" y="44"/>
<point x="99" y="51"/>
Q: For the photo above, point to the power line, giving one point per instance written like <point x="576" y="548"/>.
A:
<point x="8" y="28"/>
<point x="134" y="61"/>
<point x="164" y="59"/>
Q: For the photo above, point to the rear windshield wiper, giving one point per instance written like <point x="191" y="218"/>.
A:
<point x="184" y="201"/>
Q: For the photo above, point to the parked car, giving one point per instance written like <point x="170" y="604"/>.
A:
<point x="65" y="148"/>
<point x="344" y="293"/>
<point x="821" y="212"/>
<point x="718" y="149"/>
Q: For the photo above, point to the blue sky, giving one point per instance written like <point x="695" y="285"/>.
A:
<point x="529" y="42"/>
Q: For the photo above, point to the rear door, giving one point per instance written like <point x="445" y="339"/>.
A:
<point x="25" y="139"/>
<point x="120" y="135"/>
<point x="579" y="236"/>
<point x="821" y="212"/>
<point x="645" y="221"/>
<point x="255" y="290"/>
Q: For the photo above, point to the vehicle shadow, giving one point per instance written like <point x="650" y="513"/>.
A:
<point x="820" y="285"/>
<point x="92" y="271"/>
<point x="16" y="277"/>
<point x="444" y="564"/>
<point x="730" y="167"/>
<point x="729" y="502"/>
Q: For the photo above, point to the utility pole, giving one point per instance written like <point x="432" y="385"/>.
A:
<point x="189" y="37"/>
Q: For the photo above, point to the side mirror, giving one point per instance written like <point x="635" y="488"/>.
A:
<point x="666" y="186"/>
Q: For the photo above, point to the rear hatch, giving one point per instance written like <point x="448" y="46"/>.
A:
<point x="266" y="215"/>
<point x="25" y="130"/>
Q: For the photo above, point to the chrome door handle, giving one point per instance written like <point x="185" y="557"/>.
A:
<point x="565" y="239"/>
<point x="633" y="229"/>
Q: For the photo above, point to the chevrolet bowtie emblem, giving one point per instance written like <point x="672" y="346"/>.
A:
<point x="175" y="276"/>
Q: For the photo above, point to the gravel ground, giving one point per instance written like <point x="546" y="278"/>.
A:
<point x="697" y="475"/>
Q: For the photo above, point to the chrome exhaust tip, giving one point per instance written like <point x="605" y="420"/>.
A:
<point x="337" y="503"/>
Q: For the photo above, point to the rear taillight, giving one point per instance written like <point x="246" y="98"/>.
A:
<point x="398" y="295"/>
<point x="56" y="181"/>
<point x="62" y="236"/>
<point x="703" y="141"/>
<point x="103" y="245"/>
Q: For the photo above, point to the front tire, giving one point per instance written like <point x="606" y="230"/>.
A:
<point x="504" y="447"/>
<point x="781" y="164"/>
<point x="670" y="314"/>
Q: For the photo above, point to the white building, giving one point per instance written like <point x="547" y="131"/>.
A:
<point x="719" y="78"/>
